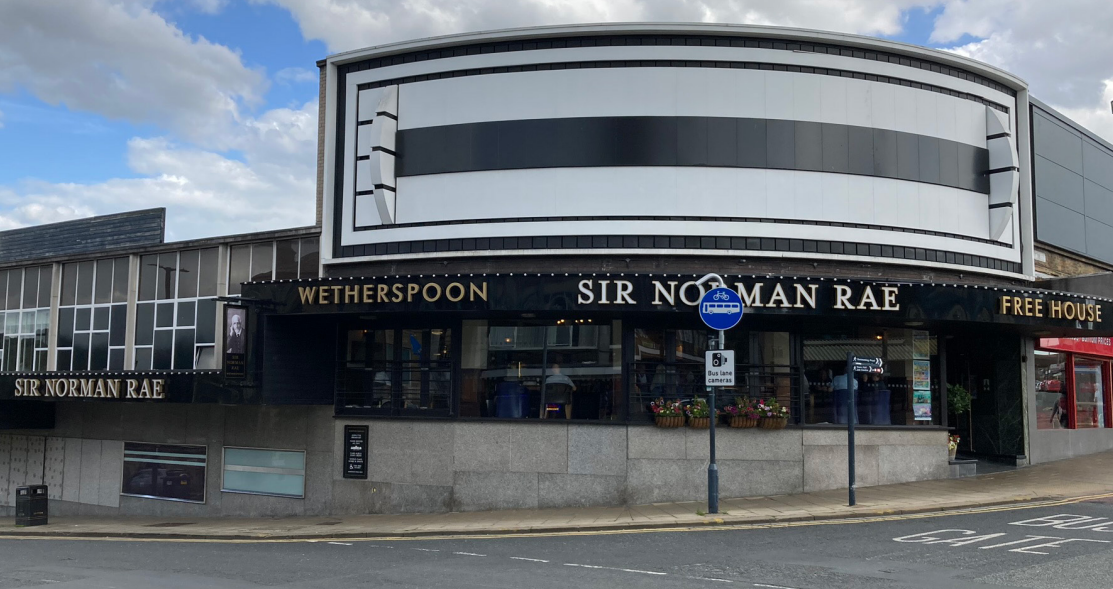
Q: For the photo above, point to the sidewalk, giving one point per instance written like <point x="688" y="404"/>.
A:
<point x="1078" y="477"/>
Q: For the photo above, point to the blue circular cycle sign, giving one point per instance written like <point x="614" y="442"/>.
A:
<point x="721" y="308"/>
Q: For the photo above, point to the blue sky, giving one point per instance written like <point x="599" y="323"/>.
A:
<point x="208" y="107"/>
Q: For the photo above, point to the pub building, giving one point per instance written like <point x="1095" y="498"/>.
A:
<point x="504" y="275"/>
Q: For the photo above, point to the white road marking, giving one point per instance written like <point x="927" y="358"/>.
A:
<point x="468" y="554"/>
<point x="340" y="543"/>
<point x="528" y="559"/>
<point x="711" y="579"/>
<point x="591" y="566"/>
<point x="426" y="549"/>
<point x="772" y="586"/>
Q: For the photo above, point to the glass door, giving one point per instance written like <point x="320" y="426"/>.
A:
<point x="395" y="371"/>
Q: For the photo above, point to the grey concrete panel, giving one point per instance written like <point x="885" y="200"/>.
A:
<point x="355" y="497"/>
<point x="71" y="476"/>
<point x="480" y="491"/>
<point x="907" y="437"/>
<point x="430" y="468"/>
<point x="597" y="450"/>
<point x="929" y="159"/>
<point x="418" y="499"/>
<point x="860" y="150"/>
<point x="825" y="467"/>
<point x="748" y="478"/>
<point x="320" y="428"/>
<point x="1056" y="143"/>
<point x="539" y="448"/>
<point x="1099" y="203"/>
<point x="89" y="491"/>
<point x="578" y="490"/>
<point x="656" y="481"/>
<point x="746" y="444"/>
<point x="5" y="468"/>
<point x="1058" y="184"/>
<point x="655" y="443"/>
<point x="836" y="148"/>
<point x="1097" y="164"/>
<point x="389" y="436"/>
<point x="1099" y="240"/>
<point x="318" y="482"/>
<point x="17" y="468"/>
<point x="482" y="447"/>
<point x="146" y="507"/>
<point x="276" y="427"/>
<point x="1060" y="226"/>
<point x="904" y="464"/>
<point x="111" y="473"/>
<point x="68" y="420"/>
<point x="102" y="421"/>
<point x="36" y="459"/>
<point x="244" y="505"/>
<point x="780" y="144"/>
<point x="54" y="467"/>
<point x="808" y="145"/>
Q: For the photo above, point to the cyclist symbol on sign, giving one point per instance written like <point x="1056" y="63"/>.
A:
<point x="720" y="296"/>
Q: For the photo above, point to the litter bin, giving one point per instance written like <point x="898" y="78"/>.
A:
<point x="30" y="506"/>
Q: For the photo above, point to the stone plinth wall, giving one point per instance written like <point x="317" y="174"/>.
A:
<point x="438" y="466"/>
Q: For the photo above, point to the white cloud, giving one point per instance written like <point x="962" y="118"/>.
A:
<point x="205" y="193"/>
<point x="122" y="60"/>
<point x="353" y="24"/>
<point x="296" y="75"/>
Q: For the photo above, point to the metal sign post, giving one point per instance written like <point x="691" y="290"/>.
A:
<point x="720" y="309"/>
<point x="854" y="364"/>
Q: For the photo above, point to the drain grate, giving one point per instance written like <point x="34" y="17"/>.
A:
<point x="170" y="525"/>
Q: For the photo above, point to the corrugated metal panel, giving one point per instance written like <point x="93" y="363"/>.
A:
<point x="95" y="234"/>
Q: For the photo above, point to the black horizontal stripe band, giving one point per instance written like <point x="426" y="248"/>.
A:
<point x="1004" y="169"/>
<point x="384" y="150"/>
<point x="691" y="141"/>
<point x="660" y="242"/>
<point x="1001" y="205"/>
<point x="684" y="218"/>
<point x="998" y="136"/>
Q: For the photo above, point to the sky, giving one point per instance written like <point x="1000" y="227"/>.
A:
<point x="209" y="107"/>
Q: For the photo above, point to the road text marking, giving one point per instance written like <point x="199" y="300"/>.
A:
<point x="527" y="559"/>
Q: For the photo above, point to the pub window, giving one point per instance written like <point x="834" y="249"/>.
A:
<point x="405" y="371"/>
<point x="92" y="315"/>
<point x="175" y="318"/>
<point x="1089" y="392"/>
<point x="164" y="471"/>
<point x="264" y="472"/>
<point x="553" y="369"/>
<point x="24" y="318"/>
<point x="1052" y="391"/>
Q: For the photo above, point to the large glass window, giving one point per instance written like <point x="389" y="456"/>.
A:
<point x="1052" y="393"/>
<point x="1089" y="392"/>
<point x="24" y="318"/>
<point x="284" y="259"/>
<point x="92" y="315"/>
<point x="163" y="471"/>
<point x="264" y="472"/>
<point x="907" y="393"/>
<point x="395" y="371"/>
<point x="175" y="318"/>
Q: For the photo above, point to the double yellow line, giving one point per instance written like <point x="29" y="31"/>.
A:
<point x="700" y="528"/>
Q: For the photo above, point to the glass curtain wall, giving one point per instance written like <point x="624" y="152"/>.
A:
<point x="285" y="259"/>
<point x="25" y="310"/>
<point x="92" y="315"/>
<point x="175" y="319"/>
<point x="556" y="369"/>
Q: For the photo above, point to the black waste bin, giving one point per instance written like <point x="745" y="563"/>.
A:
<point x="30" y="506"/>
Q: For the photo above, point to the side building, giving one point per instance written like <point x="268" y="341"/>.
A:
<point x="505" y="276"/>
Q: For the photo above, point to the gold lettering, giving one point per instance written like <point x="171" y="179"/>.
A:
<point x="889" y="298"/>
<point x="684" y="293"/>
<point x="114" y="388"/>
<point x="369" y="293"/>
<point x="804" y="296"/>
<point x="778" y="294"/>
<point x="586" y="296"/>
<point x="411" y="290"/>
<point x="382" y="289"/>
<point x="1056" y="309"/>
<point x="398" y="296"/>
<point x="1039" y="307"/>
<point x="867" y="297"/>
<point x="448" y="292"/>
<point x="1097" y="314"/>
<point x="145" y="389"/>
<point x="623" y="288"/>
<point x="351" y="294"/>
<point x="842" y="297"/>
<point x="132" y="386"/>
<point x="752" y="298"/>
<point x="52" y="387"/>
<point x="19" y="387"/>
<point x="659" y="291"/>
<point x="1068" y="310"/>
<point x="322" y="295"/>
<point x="1029" y="307"/>
<point x="603" y="292"/>
<point x="1005" y="305"/>
<point x="473" y="291"/>
<point x="336" y="294"/>
<point x="307" y="293"/>
<point x="98" y="390"/>
<point x="425" y="292"/>
<point x="35" y="389"/>
<point x="159" y="391"/>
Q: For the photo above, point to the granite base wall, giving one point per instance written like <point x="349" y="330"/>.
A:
<point x="435" y="466"/>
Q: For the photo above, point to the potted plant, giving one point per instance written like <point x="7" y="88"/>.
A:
<point x="772" y="414"/>
<point x="743" y="413"/>
<point x="667" y="414"/>
<point x="952" y="445"/>
<point x="958" y="402"/>
<point x="699" y="414"/>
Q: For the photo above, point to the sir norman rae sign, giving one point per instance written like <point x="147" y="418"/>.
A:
<point x="92" y="388"/>
<point x="602" y="292"/>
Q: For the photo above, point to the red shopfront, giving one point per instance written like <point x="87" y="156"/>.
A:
<point x="1073" y="383"/>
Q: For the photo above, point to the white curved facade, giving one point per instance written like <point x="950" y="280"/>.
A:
<point x="783" y="147"/>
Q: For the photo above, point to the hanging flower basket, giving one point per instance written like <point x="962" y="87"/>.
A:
<point x="774" y="422"/>
<point x="699" y="422"/>
<point x="669" y="420"/>
<point x="741" y="421"/>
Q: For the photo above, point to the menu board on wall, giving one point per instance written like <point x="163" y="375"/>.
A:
<point x="921" y="345"/>
<point x="921" y="393"/>
<point x="355" y="451"/>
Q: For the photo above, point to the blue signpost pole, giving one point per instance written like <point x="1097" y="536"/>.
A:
<point x="720" y="309"/>
<point x="851" y="417"/>
<point x="712" y="468"/>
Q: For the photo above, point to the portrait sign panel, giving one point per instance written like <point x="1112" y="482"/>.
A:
<point x="235" y="341"/>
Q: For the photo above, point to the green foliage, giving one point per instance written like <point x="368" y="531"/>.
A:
<point x="958" y="399"/>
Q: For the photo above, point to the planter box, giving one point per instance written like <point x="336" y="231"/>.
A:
<point x="739" y="421"/>
<point x="673" y="421"/>
<point x="774" y="422"/>
<point x="699" y="422"/>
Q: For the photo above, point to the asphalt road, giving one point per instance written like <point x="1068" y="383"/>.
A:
<point x="1047" y="547"/>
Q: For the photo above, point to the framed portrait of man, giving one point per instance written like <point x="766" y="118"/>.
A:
<point x="235" y="341"/>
